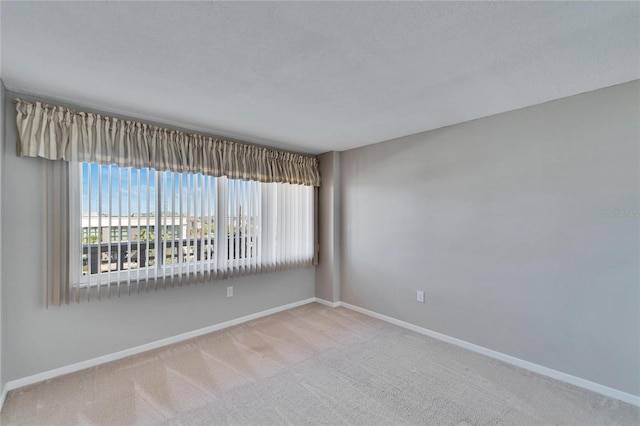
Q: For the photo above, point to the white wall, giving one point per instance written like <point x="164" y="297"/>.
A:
<point x="36" y="339"/>
<point x="504" y="222"/>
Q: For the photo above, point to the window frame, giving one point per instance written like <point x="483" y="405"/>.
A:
<point x="223" y="191"/>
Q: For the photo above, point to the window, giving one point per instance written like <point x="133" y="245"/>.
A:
<point x="135" y="226"/>
<point x="89" y="235"/>
<point x="136" y="217"/>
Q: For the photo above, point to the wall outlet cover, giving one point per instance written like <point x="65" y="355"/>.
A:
<point x="420" y="296"/>
<point x="229" y="291"/>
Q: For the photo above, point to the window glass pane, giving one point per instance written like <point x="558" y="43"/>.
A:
<point x="140" y="223"/>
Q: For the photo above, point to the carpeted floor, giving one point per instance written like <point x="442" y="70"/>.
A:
<point x="311" y="365"/>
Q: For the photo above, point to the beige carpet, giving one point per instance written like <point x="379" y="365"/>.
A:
<point x="311" y="365"/>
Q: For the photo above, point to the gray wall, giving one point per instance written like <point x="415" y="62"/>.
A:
<point x="2" y="322"/>
<point x="504" y="222"/>
<point x="36" y="339"/>
<point x="328" y="269"/>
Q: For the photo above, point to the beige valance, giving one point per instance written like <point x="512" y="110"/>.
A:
<point x="58" y="133"/>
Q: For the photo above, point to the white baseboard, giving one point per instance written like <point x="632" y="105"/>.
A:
<point x="327" y="303"/>
<point x="3" y="396"/>
<point x="40" y="377"/>
<point x="545" y="371"/>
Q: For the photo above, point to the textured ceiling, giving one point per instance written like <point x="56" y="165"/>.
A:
<point x="315" y="77"/>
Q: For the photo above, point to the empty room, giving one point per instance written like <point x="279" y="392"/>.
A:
<point x="361" y="213"/>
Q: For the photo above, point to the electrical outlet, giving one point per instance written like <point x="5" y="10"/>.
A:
<point x="420" y="296"/>
<point x="229" y="291"/>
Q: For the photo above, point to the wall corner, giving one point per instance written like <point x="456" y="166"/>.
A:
<point x="328" y="269"/>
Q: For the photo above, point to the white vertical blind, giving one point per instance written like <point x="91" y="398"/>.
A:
<point x="145" y="229"/>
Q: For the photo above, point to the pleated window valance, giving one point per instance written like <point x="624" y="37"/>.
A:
<point x="58" y="133"/>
